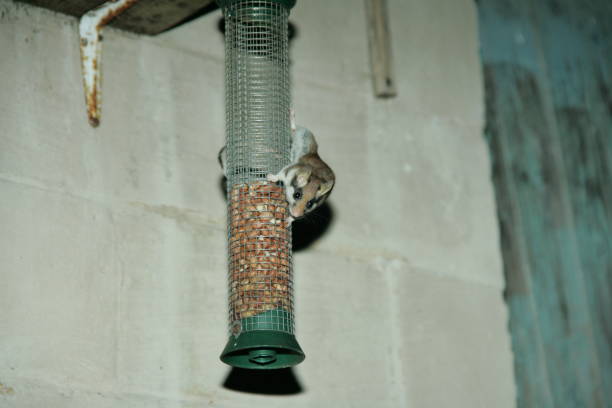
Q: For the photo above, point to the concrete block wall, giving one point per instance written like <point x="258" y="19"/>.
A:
<point x="112" y="252"/>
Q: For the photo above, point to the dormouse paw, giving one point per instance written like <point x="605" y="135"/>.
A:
<point x="272" y="177"/>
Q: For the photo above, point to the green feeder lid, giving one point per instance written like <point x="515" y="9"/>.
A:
<point x="266" y="347"/>
<point x="262" y="350"/>
<point x="287" y="3"/>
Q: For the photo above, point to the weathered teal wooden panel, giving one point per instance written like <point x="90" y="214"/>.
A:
<point x="548" y="77"/>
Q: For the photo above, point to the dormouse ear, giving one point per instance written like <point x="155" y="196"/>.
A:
<point x="325" y="188"/>
<point x="302" y="178"/>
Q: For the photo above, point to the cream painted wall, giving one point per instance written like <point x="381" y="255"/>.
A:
<point x="112" y="252"/>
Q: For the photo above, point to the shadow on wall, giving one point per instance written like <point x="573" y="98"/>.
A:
<point x="312" y="227"/>
<point x="270" y="382"/>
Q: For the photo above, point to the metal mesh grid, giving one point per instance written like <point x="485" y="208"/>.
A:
<point x="257" y="89"/>
<point x="258" y="143"/>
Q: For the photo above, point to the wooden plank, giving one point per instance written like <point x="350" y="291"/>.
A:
<point x="549" y="127"/>
<point x="506" y="86"/>
<point x="145" y="17"/>
<point x="576" y="43"/>
<point x="379" y="40"/>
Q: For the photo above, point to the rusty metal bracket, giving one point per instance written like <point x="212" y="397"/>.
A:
<point x="90" y="34"/>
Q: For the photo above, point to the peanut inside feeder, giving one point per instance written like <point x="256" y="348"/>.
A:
<point x="260" y="258"/>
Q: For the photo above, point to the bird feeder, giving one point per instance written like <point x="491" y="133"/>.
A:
<point x="258" y="143"/>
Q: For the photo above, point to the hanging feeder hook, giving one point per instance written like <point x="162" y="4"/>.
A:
<point x="90" y="29"/>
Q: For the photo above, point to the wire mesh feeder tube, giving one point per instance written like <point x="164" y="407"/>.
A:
<point x="261" y="325"/>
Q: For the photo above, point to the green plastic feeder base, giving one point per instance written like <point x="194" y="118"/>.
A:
<point x="262" y="350"/>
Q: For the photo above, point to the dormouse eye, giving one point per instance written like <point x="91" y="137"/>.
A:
<point x="297" y="195"/>
<point x="309" y="204"/>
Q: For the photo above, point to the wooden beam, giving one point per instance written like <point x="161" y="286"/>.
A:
<point x="145" y="17"/>
<point x="379" y="39"/>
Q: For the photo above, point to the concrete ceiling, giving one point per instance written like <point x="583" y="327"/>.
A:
<point x="145" y="17"/>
